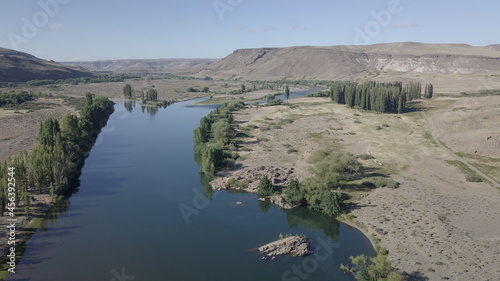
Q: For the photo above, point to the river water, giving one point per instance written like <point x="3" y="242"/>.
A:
<point x="141" y="213"/>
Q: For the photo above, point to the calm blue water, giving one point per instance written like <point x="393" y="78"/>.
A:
<point x="125" y="222"/>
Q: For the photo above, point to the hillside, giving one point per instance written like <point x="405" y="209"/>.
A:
<point x="21" y="67"/>
<point x="354" y="62"/>
<point x="141" y="65"/>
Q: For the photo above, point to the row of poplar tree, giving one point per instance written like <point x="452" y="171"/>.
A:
<point x="54" y="166"/>
<point x="378" y="96"/>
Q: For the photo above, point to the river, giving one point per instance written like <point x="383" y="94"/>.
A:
<point x="140" y="213"/>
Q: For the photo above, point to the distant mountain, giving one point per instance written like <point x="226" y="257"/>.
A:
<point x="353" y="62"/>
<point x="141" y="65"/>
<point x="495" y="47"/>
<point x="21" y="67"/>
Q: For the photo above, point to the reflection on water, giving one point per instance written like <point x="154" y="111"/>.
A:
<point x="129" y="105"/>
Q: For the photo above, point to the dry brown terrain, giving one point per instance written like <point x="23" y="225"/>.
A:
<point x="19" y="129"/>
<point x="436" y="225"/>
<point x="17" y="66"/>
<point x="140" y="65"/>
<point x="452" y="67"/>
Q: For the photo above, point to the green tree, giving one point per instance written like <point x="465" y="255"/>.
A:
<point x="243" y="88"/>
<point x="376" y="268"/>
<point x="69" y="128"/>
<point x="266" y="188"/>
<point x="127" y="91"/>
<point x="294" y="194"/>
<point x="287" y="93"/>
<point x="429" y="91"/>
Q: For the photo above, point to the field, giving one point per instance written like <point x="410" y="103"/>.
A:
<point x="436" y="224"/>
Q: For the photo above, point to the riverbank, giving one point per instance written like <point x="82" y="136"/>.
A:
<point x="436" y="225"/>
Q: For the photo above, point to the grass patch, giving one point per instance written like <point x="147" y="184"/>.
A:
<point x="470" y="175"/>
<point x="315" y="135"/>
<point x="429" y="138"/>
<point x="478" y="157"/>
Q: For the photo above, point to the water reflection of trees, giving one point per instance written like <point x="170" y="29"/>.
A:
<point x="129" y="105"/>
<point x="313" y="220"/>
<point x="58" y="209"/>
<point x="149" y="110"/>
<point x="208" y="191"/>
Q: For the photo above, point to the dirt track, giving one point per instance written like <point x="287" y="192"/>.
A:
<point x="430" y="126"/>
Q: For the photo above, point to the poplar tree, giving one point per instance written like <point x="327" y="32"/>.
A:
<point x="287" y="93"/>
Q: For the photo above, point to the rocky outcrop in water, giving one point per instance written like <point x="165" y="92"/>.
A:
<point x="296" y="246"/>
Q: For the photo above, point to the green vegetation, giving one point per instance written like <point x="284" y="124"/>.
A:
<point x="319" y="94"/>
<point x="322" y="191"/>
<point x="150" y="95"/>
<point x="287" y="93"/>
<point x="377" y="96"/>
<point x="55" y="164"/>
<point x="14" y="98"/>
<point x="376" y="268"/>
<point x="266" y="187"/>
<point x="273" y="100"/>
<point x="429" y="91"/>
<point x="128" y="92"/>
<point x="213" y="139"/>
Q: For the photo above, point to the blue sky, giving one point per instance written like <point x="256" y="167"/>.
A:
<point x="65" y="30"/>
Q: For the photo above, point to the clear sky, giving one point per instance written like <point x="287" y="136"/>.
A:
<point x="65" y="30"/>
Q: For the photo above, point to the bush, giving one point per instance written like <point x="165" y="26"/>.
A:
<point x="473" y="178"/>
<point x="266" y="188"/>
<point x="381" y="182"/>
<point x="357" y="121"/>
<point x="365" y="157"/>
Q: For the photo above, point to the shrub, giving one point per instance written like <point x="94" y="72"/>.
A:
<point x="266" y="188"/>
<point x="365" y="157"/>
<point x="381" y="182"/>
<point x="357" y="121"/>
<point x="232" y="183"/>
<point x="473" y="178"/>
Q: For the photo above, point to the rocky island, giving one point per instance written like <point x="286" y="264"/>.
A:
<point x="295" y="245"/>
